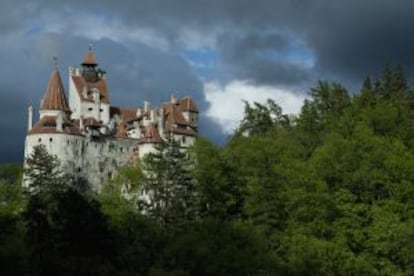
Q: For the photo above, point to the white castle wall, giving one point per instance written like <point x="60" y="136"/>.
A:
<point x="102" y="159"/>
<point x="74" y="100"/>
<point x="96" y="161"/>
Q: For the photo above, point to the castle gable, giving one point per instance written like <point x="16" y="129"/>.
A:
<point x="84" y="89"/>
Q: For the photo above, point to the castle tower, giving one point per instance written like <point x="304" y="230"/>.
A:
<point x="54" y="102"/>
<point x="54" y="130"/>
<point x="88" y="93"/>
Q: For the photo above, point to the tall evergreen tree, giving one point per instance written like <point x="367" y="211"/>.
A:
<point x="399" y="79"/>
<point x="169" y="190"/>
<point x="367" y="84"/>
<point x="42" y="172"/>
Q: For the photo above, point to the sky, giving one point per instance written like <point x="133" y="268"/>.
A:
<point x="218" y="52"/>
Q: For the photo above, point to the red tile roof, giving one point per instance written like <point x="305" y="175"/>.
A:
<point x="174" y="114"/>
<point x="151" y="135"/>
<point x="121" y="131"/>
<point x="184" y="131"/>
<point x="175" y="121"/>
<point x="89" y="59"/>
<point x="125" y="113"/>
<point x="187" y="104"/>
<point x="55" y="98"/>
<point x="81" y="84"/>
<point x="48" y="125"/>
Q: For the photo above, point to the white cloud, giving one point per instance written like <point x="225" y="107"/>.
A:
<point x="226" y="106"/>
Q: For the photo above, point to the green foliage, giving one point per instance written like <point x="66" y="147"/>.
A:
<point x="43" y="172"/>
<point x="261" y="118"/>
<point x="168" y="187"/>
<point x="221" y="190"/>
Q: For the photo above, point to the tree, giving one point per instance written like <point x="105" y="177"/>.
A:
<point x="12" y="247"/>
<point x="169" y="190"/>
<point x="221" y="191"/>
<point x="42" y="172"/>
<point x="261" y="118"/>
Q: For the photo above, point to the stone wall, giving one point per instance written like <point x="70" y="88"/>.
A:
<point x="95" y="161"/>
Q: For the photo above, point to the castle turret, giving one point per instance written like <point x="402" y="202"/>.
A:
<point x="89" y="60"/>
<point x="54" y="101"/>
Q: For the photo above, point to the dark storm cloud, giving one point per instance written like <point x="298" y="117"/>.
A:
<point x="347" y="39"/>
<point x="260" y="58"/>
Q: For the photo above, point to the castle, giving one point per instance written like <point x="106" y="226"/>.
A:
<point x="92" y="138"/>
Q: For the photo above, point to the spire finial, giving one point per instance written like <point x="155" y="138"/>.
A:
<point x="90" y="47"/>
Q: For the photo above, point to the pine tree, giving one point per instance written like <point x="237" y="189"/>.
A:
<point x="169" y="194"/>
<point x="399" y="80"/>
<point x="367" y="84"/>
<point x="387" y="80"/>
<point x="43" y="172"/>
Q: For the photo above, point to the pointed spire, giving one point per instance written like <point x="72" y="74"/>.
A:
<point x="90" y="59"/>
<point x="55" y="98"/>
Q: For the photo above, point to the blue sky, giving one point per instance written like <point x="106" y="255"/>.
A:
<point x="218" y="52"/>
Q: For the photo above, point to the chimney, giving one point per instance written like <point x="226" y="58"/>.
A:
<point x="139" y="112"/>
<point x="81" y="123"/>
<point x="161" y="122"/>
<point x="152" y="115"/>
<point x="59" y="122"/>
<point x="30" y="118"/>
<point x="146" y="106"/>
<point x="173" y="99"/>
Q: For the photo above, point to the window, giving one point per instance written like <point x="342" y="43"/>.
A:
<point x="101" y="110"/>
<point x="90" y="108"/>
<point x="67" y="142"/>
<point x="183" y="139"/>
<point x="79" y="169"/>
<point x="39" y="140"/>
<point x="50" y="139"/>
